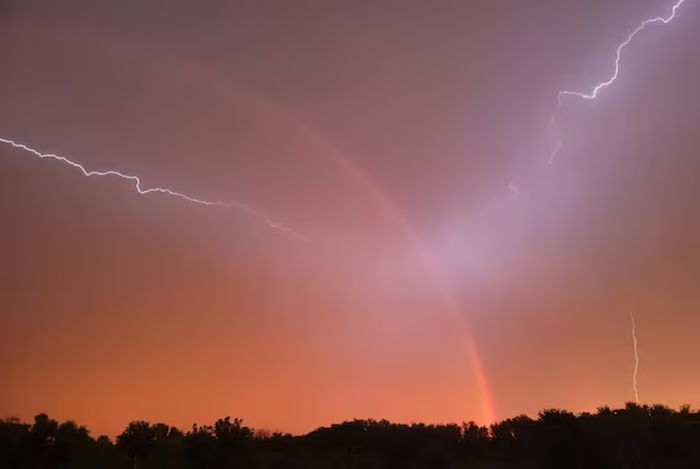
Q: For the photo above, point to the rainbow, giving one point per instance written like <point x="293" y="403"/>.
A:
<point x="451" y="305"/>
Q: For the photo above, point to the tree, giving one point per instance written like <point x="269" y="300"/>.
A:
<point x="137" y="440"/>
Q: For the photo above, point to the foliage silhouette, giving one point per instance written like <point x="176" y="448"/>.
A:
<point x="634" y="437"/>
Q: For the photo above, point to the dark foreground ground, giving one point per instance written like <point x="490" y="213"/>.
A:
<point x="634" y="437"/>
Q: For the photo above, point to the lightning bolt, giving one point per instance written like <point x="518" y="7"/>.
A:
<point x="141" y="189"/>
<point x="593" y="94"/>
<point x="636" y="358"/>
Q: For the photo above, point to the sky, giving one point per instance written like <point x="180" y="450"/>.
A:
<point x="446" y="273"/>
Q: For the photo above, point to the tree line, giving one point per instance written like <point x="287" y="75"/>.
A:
<point x="633" y="437"/>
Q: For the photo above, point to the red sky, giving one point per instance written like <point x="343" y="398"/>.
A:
<point x="387" y="133"/>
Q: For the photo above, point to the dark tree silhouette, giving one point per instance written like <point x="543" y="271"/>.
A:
<point x="140" y="439"/>
<point x="634" y="437"/>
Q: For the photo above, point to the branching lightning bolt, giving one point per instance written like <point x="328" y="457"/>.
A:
<point x="593" y="94"/>
<point x="138" y="184"/>
<point x="636" y="358"/>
